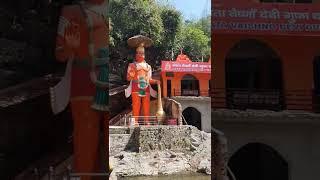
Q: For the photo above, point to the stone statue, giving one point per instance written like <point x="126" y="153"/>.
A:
<point x="82" y="42"/>
<point x="139" y="74"/>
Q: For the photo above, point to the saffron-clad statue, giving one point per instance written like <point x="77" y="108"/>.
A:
<point x="82" y="42"/>
<point x="139" y="74"/>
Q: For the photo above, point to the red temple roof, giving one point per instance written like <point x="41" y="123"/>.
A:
<point x="184" y="64"/>
<point x="183" y="58"/>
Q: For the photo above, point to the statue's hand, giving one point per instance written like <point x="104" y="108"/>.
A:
<point x="131" y="73"/>
<point x="72" y="38"/>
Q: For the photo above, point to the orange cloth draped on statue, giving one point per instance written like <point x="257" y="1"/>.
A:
<point x="89" y="125"/>
<point x="140" y="75"/>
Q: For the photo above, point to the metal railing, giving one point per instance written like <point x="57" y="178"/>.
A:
<point x="119" y="118"/>
<point x="126" y="119"/>
<point x="187" y="92"/>
<point x="184" y="120"/>
<point x="67" y="174"/>
<point x="233" y="177"/>
<point x="270" y="99"/>
<point x="141" y="120"/>
<point x="117" y="90"/>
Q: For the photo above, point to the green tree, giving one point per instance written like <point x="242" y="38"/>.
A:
<point x="129" y="18"/>
<point x="163" y="24"/>
<point x="194" y="43"/>
<point x="204" y="24"/>
<point x="160" y="22"/>
<point x="172" y="22"/>
<point x="132" y="17"/>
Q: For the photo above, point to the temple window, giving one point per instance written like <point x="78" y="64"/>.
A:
<point x="189" y="86"/>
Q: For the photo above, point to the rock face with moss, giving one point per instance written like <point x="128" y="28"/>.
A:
<point x="159" y="150"/>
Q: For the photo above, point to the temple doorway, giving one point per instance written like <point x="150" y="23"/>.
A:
<point x="169" y="88"/>
<point x="189" y="86"/>
<point x="256" y="161"/>
<point x="253" y="77"/>
<point x="192" y="116"/>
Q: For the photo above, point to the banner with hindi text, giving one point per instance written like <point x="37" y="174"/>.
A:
<point x="265" y="18"/>
<point x="196" y="67"/>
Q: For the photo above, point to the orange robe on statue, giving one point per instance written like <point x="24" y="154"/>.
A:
<point x="90" y="154"/>
<point x="140" y="76"/>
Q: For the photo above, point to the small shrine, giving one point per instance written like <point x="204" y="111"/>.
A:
<point x="183" y="77"/>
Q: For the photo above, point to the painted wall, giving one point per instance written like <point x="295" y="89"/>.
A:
<point x="296" y="143"/>
<point x="202" y="104"/>
<point x="296" y="53"/>
<point x="296" y="49"/>
<point x="176" y="82"/>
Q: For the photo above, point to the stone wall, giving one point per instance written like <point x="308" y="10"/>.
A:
<point x="165" y="137"/>
<point x="171" y="107"/>
<point x="174" y="108"/>
<point x="143" y="139"/>
<point x="294" y="135"/>
<point x="202" y="104"/>
<point x="159" y="150"/>
<point x="220" y="154"/>
<point x="119" y="138"/>
<point x="265" y="116"/>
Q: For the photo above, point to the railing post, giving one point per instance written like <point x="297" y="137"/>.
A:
<point x="248" y="100"/>
<point x="279" y="100"/>
<point x="69" y="172"/>
<point x="51" y="173"/>
<point x="36" y="173"/>
<point x="132" y="121"/>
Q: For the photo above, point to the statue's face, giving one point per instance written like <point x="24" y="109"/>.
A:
<point x="140" y="56"/>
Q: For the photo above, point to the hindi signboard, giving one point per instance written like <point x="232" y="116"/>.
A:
<point x="274" y="18"/>
<point x="195" y="67"/>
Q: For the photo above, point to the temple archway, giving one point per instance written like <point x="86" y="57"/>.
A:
<point x="253" y="76"/>
<point x="256" y="161"/>
<point x="192" y="116"/>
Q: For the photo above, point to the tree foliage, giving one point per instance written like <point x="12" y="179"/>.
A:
<point x="172" y="23"/>
<point x="129" y="18"/>
<point x="194" y="43"/>
<point x="204" y="24"/>
<point x="159" y="21"/>
<point x="132" y="17"/>
<point x="195" y="38"/>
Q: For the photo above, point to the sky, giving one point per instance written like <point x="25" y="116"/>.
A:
<point x="192" y="9"/>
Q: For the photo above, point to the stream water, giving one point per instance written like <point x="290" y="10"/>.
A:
<point x="170" y="177"/>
